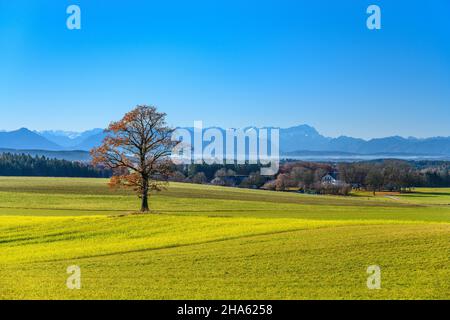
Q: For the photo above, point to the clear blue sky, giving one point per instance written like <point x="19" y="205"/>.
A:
<point x="230" y="63"/>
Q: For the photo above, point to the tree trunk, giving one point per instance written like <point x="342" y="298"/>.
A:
<point x="144" y="206"/>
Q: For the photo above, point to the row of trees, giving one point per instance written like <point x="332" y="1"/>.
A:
<point x="26" y="165"/>
<point x="307" y="177"/>
<point x="394" y="175"/>
<point x="229" y="176"/>
<point x="388" y="175"/>
<point x="244" y="176"/>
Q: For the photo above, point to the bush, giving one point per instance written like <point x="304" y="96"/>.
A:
<point x="342" y="189"/>
<point x="270" y="185"/>
<point x="254" y="181"/>
<point x="199" y="178"/>
<point x="177" y="177"/>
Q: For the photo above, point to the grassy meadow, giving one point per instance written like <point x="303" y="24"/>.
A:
<point x="205" y="242"/>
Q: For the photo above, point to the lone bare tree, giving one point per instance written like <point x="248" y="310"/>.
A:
<point x="137" y="148"/>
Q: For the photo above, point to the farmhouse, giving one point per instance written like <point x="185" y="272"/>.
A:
<point x="329" y="179"/>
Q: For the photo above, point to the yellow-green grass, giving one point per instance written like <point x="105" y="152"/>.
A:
<point x="204" y="242"/>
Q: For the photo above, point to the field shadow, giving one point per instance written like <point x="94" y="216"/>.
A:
<point x="429" y="194"/>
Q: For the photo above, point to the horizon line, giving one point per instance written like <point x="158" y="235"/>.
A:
<point x="219" y="127"/>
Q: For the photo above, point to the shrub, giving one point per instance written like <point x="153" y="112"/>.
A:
<point x="270" y="185"/>
<point x="342" y="189"/>
<point x="199" y="178"/>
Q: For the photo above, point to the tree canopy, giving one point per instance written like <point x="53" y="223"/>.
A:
<point x="137" y="148"/>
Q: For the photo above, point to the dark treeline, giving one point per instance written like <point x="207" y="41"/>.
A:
<point x="395" y="175"/>
<point x="26" y="165"/>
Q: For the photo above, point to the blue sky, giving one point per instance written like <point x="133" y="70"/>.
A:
<point x="230" y="63"/>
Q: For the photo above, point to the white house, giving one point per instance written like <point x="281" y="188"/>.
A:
<point x="328" y="179"/>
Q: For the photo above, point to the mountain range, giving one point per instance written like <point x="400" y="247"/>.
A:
<point x="305" y="137"/>
<point x="74" y="140"/>
<point x="293" y="141"/>
<point x="25" y="139"/>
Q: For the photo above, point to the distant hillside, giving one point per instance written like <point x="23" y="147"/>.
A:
<point x="292" y="140"/>
<point x="304" y="137"/>
<point x="60" y="155"/>
<point x="90" y="142"/>
<point x="69" y="139"/>
<point x="26" y="139"/>
<point x="296" y="141"/>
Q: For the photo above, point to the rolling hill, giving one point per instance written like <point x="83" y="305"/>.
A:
<point x="207" y="242"/>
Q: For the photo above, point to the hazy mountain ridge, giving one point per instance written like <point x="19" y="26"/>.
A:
<point x="304" y="137"/>
<point x="26" y="139"/>
<point x="293" y="140"/>
<point x="74" y="140"/>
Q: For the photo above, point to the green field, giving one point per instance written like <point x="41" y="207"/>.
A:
<point x="204" y="242"/>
